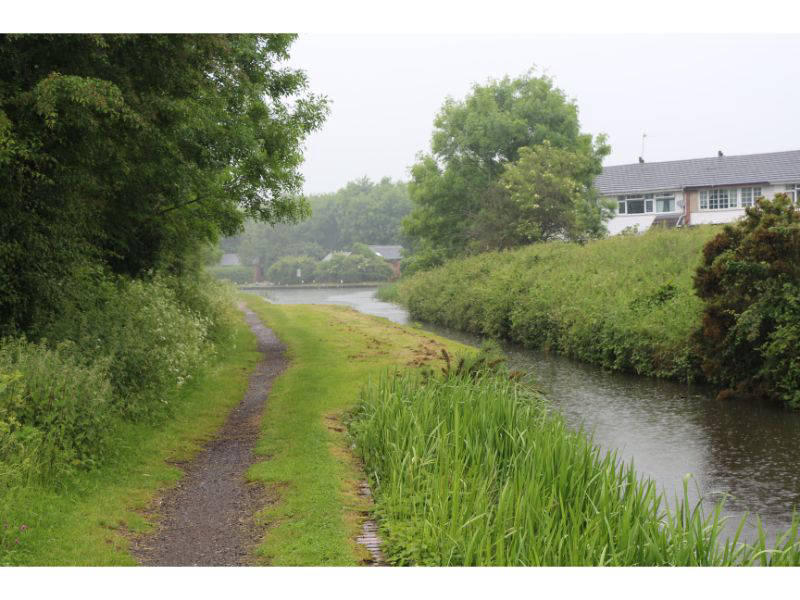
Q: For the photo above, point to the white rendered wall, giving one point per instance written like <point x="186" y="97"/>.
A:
<point x="616" y="224"/>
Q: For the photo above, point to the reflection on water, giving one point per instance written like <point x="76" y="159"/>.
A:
<point x="744" y="451"/>
<point x="360" y="298"/>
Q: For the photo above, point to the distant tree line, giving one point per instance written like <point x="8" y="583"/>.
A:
<point x="362" y="212"/>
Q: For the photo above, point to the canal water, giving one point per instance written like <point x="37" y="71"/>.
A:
<point x="740" y="451"/>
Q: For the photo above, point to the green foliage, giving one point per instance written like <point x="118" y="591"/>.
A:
<point x="546" y="195"/>
<point x="87" y="517"/>
<point x="120" y="350"/>
<point x="134" y="151"/>
<point x="353" y="269"/>
<point x="361" y="212"/>
<point x="750" y="279"/>
<point x="474" y="470"/>
<point x="459" y="203"/>
<point x="284" y="271"/>
<point x="233" y="273"/>
<point x="54" y="411"/>
<point x="626" y="303"/>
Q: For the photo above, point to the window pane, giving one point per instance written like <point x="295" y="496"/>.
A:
<point x="665" y="204"/>
<point x="621" y="209"/>
<point x="635" y="207"/>
<point x="713" y="199"/>
<point x="704" y="200"/>
<point x="648" y="206"/>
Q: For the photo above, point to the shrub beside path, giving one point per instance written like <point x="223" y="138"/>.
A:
<point x="207" y="519"/>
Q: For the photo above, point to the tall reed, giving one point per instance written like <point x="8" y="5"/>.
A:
<point x="474" y="470"/>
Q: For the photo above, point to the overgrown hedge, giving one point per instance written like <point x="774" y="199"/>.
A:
<point x="626" y="303"/>
<point x="340" y="268"/>
<point x="119" y="351"/>
<point x="353" y="269"/>
<point x="233" y="273"/>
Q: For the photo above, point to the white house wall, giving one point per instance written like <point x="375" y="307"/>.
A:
<point x="617" y="224"/>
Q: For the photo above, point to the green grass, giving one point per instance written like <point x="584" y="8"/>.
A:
<point x="478" y="472"/>
<point x="626" y="302"/>
<point x="88" y="518"/>
<point x="307" y="462"/>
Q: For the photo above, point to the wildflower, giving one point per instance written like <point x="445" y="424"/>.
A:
<point x="23" y="527"/>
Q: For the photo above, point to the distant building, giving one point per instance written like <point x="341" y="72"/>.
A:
<point x="230" y="260"/>
<point x="330" y="255"/>
<point x="391" y="254"/>
<point x="696" y="191"/>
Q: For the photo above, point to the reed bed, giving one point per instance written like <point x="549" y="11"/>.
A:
<point x="475" y="470"/>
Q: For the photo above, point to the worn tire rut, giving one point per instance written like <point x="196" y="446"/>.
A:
<point x="208" y="518"/>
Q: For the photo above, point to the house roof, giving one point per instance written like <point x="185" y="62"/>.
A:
<point x="388" y="252"/>
<point x="772" y="167"/>
<point x="330" y="255"/>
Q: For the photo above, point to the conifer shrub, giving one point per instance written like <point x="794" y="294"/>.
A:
<point x="749" y="340"/>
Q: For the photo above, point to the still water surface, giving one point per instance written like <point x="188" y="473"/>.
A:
<point x="745" y="452"/>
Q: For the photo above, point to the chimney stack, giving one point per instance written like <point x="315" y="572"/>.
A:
<point x="641" y="160"/>
<point x="720" y="154"/>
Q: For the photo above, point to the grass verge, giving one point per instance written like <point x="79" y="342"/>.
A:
<point x="88" y="518"/>
<point x="333" y="351"/>
<point x="626" y="302"/>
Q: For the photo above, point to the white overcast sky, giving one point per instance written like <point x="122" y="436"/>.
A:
<point x="691" y="94"/>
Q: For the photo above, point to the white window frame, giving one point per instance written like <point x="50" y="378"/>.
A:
<point x="650" y="202"/>
<point x="793" y="191"/>
<point x="705" y="197"/>
<point x="753" y="192"/>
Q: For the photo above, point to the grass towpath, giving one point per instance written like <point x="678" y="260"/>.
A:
<point x="304" y="449"/>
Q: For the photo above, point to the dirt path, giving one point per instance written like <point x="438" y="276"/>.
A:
<point x="208" y="518"/>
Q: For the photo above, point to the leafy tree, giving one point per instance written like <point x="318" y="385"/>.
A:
<point x="547" y="194"/>
<point x="135" y="150"/>
<point x="749" y="342"/>
<point x="473" y="143"/>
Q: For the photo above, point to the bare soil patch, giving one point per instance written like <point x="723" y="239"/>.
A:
<point x="208" y="518"/>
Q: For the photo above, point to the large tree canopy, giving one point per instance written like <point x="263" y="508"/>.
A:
<point x="473" y="143"/>
<point x="135" y="150"/>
